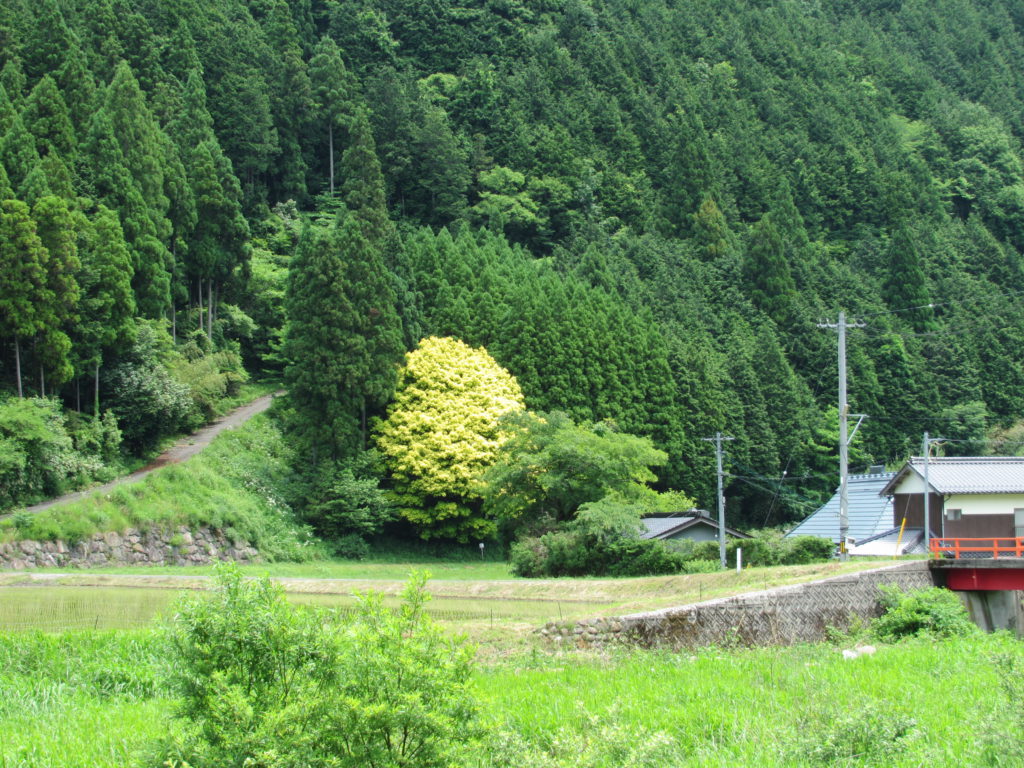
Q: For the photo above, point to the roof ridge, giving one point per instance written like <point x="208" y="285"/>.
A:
<point x="968" y="460"/>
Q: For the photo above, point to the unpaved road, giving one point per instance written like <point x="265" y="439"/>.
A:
<point x="184" y="449"/>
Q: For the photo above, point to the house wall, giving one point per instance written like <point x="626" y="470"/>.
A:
<point x="980" y="527"/>
<point x="985" y="515"/>
<point x="912" y="505"/>
<point x="912" y="483"/>
<point x="986" y="503"/>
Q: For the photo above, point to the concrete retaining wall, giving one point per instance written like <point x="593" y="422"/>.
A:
<point x="781" y="616"/>
<point x="176" y="546"/>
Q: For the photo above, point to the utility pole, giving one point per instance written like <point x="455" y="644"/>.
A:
<point x="926" y="450"/>
<point x="718" y="440"/>
<point x="844" y="439"/>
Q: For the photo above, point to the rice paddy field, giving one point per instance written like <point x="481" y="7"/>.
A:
<point x="480" y="599"/>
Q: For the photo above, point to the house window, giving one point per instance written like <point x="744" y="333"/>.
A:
<point x="1018" y="523"/>
<point x="954" y="514"/>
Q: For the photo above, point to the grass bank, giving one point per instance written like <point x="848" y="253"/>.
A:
<point x="236" y="484"/>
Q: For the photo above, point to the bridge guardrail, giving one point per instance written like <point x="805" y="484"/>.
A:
<point x="966" y="549"/>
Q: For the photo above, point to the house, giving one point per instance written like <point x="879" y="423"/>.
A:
<point x="870" y="515"/>
<point x="695" y="525"/>
<point x="969" y="497"/>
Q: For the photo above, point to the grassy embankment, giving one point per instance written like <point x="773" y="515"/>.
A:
<point x="235" y="484"/>
<point x="97" y="699"/>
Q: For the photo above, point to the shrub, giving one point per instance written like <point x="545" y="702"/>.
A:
<point x="210" y="377"/>
<point x="932" y="611"/>
<point x="267" y="684"/>
<point x="768" y="548"/>
<point x="528" y="558"/>
<point x="147" y="400"/>
<point x="37" y="455"/>
<point x="803" y="550"/>
<point x="351" y="547"/>
<point x="572" y="553"/>
<point x="346" y="500"/>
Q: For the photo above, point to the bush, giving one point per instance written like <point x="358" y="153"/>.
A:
<point x="210" y="377"/>
<point x="346" y="500"/>
<point x="572" y="553"/>
<point x="528" y="558"/>
<point x="351" y="547"/>
<point x="148" y="401"/>
<point x="933" y="611"/>
<point x="802" y="550"/>
<point x="270" y="685"/>
<point x="768" y="548"/>
<point x="37" y="455"/>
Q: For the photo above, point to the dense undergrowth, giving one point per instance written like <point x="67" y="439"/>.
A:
<point x="238" y="484"/>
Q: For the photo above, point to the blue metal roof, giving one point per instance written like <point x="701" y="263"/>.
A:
<point x="870" y="514"/>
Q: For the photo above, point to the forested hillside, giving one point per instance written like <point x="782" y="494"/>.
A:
<point x="642" y="209"/>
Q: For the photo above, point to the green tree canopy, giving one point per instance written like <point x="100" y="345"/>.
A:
<point x="551" y="466"/>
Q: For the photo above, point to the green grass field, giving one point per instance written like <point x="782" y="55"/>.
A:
<point x="99" y="699"/>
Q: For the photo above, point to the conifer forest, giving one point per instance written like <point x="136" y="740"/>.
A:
<point x="630" y="216"/>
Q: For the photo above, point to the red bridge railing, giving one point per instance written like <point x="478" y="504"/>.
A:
<point x="977" y="548"/>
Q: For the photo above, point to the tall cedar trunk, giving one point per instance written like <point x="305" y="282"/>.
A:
<point x="174" y="323"/>
<point x="199" y="295"/>
<point x="78" y="394"/>
<point x="362" y="423"/>
<point x="35" y="351"/>
<point x="17" y="365"/>
<point x="42" y="381"/>
<point x="330" y="155"/>
<point x="209" y="308"/>
<point x="96" y="392"/>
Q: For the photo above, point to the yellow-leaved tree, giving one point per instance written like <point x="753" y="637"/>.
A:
<point x="440" y="434"/>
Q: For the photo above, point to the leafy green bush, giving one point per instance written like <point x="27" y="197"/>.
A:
<point x="148" y="401"/>
<point x="573" y="553"/>
<point x="768" y="548"/>
<point x="932" y="611"/>
<point x="38" y="456"/>
<point x="351" y="547"/>
<point x="210" y="376"/>
<point x="345" y="500"/>
<point x="802" y="550"/>
<point x="267" y="684"/>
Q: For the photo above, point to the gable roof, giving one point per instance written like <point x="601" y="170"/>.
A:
<point x="869" y="512"/>
<point x="664" y="527"/>
<point x="965" y="474"/>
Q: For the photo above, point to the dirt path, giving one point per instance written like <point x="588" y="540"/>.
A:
<point x="184" y="449"/>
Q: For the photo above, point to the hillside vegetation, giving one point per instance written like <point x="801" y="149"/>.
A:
<point x="642" y="209"/>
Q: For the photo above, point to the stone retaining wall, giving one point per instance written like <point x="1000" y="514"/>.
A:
<point x="781" y="616"/>
<point x="175" y="546"/>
